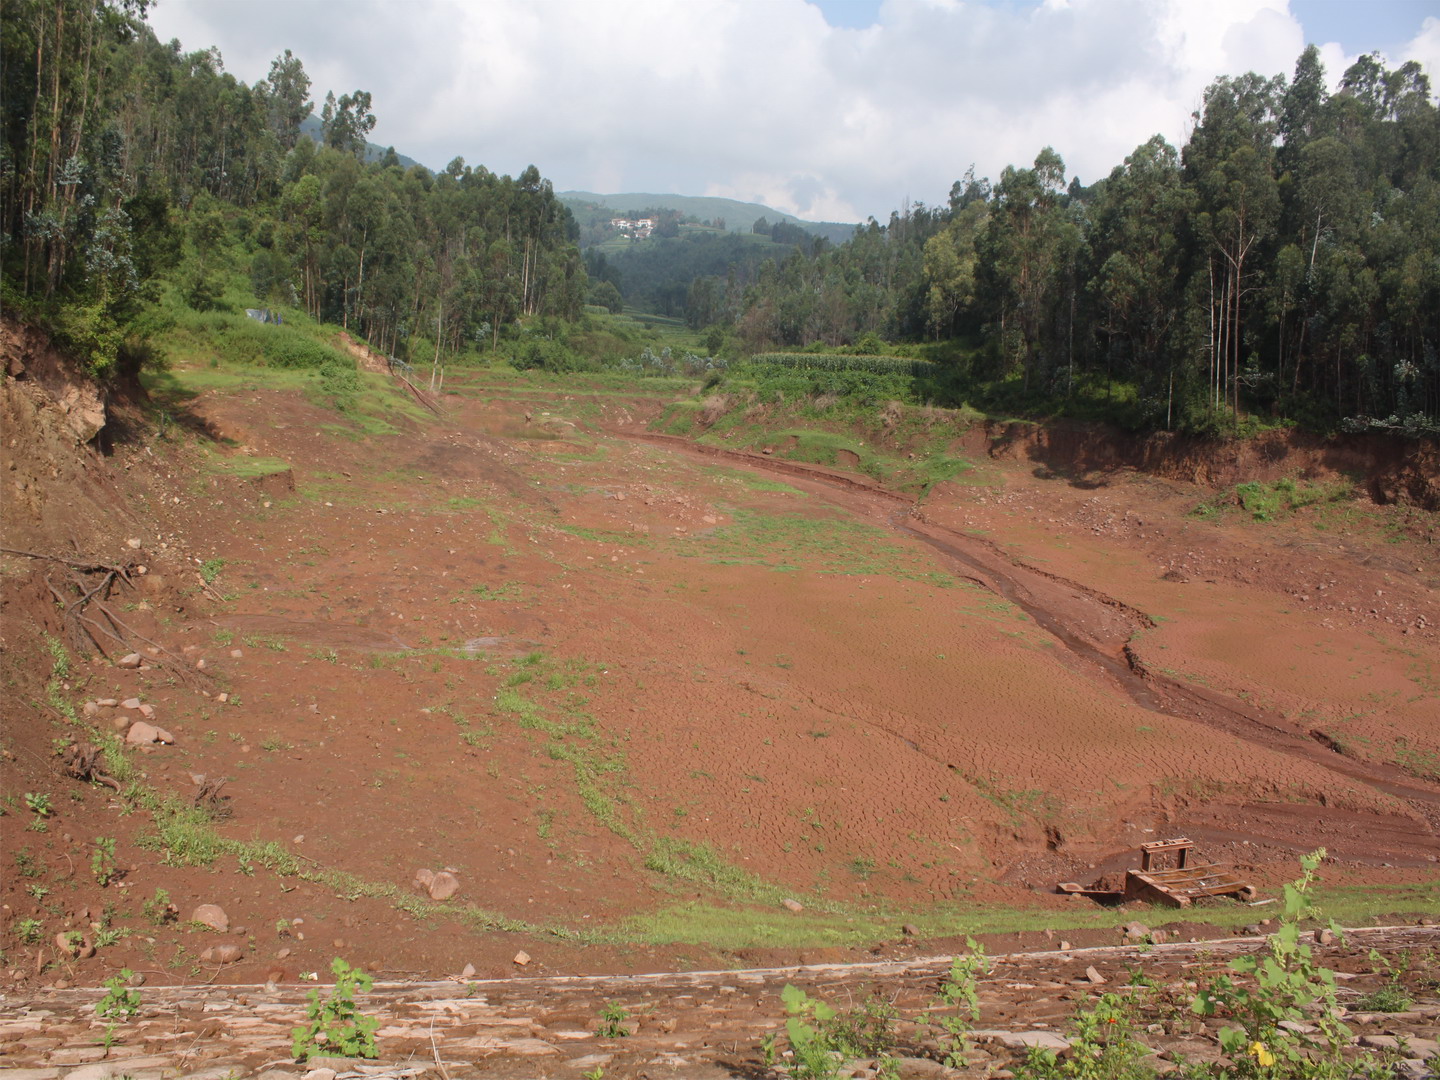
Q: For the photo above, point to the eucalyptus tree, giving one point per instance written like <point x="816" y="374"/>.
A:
<point x="1230" y="162"/>
<point x="1026" y="238"/>
<point x="1138" y="237"/>
<point x="286" y="93"/>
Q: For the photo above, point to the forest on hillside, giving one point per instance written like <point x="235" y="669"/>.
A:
<point x="1285" y="260"/>
<point x="1284" y="263"/>
<point x="127" y="159"/>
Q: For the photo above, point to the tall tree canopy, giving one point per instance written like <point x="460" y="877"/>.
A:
<point x="1285" y="260"/>
<point x="119" y="148"/>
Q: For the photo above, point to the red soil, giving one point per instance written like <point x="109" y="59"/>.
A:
<point x="836" y="691"/>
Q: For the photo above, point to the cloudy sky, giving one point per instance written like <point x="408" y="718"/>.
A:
<point x="828" y="109"/>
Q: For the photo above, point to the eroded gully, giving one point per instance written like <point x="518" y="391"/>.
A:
<point x="1095" y="630"/>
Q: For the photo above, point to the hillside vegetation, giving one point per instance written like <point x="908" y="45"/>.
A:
<point x="1277" y="269"/>
<point x="142" y="164"/>
<point x="1280" y="262"/>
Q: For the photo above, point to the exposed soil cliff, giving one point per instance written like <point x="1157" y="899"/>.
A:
<point x="1390" y="470"/>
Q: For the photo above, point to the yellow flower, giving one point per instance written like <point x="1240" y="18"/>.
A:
<point x="1261" y="1053"/>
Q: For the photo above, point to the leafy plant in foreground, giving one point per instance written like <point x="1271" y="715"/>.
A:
<point x="1392" y="997"/>
<point x="336" y="1025"/>
<point x="120" y="1001"/>
<point x="1103" y="1046"/>
<point x="866" y="1031"/>
<point x="815" y="1058"/>
<point x="822" y="1039"/>
<point x="959" y="992"/>
<point x="612" y="1021"/>
<point x="1286" y="983"/>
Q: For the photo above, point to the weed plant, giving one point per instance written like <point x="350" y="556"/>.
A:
<point x="1282" y="1020"/>
<point x="1103" y="1046"/>
<point x="120" y="1001"/>
<point x="102" y="860"/>
<point x="1269" y="502"/>
<point x="959" y="996"/>
<point x="612" y="1021"/>
<point x="335" y="1025"/>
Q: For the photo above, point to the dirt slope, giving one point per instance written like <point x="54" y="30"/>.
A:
<point x="601" y="677"/>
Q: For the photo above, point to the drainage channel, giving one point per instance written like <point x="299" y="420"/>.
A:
<point x="1151" y="691"/>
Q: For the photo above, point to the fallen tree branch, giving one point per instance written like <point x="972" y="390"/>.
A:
<point x="205" y="585"/>
<point x="419" y="396"/>
<point x="82" y="761"/>
<point x="89" y="567"/>
<point x="176" y="662"/>
<point x="110" y="576"/>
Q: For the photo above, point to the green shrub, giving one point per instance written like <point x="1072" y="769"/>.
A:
<point x="284" y="348"/>
<point x="874" y="365"/>
<point x="1267" y="502"/>
<point x="549" y="354"/>
<point x="1285" y="985"/>
<point x="340" y="383"/>
<point x="336" y="1025"/>
<point x="120" y="1002"/>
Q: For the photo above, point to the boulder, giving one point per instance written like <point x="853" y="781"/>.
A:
<point x="222" y="954"/>
<point x="443" y="886"/>
<point x="141" y="732"/>
<point x="211" y="915"/>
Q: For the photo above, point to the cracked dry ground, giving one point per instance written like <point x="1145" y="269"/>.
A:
<point x="634" y="693"/>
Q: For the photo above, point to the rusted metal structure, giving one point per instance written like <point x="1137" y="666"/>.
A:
<point x="1168" y="874"/>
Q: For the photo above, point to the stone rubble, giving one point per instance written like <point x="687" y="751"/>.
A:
<point x="701" y="1025"/>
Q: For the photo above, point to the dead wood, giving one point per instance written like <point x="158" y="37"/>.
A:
<point x="82" y="761"/>
<point x="205" y="585"/>
<point x="207" y="794"/>
<point x="89" y="566"/>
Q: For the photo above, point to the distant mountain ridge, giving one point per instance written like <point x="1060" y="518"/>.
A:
<point x="739" y="216"/>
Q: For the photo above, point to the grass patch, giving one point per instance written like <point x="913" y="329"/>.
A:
<point x="832" y="449"/>
<point x="1272" y="502"/>
<point x="186" y="836"/>
<point x="701" y="864"/>
<point x="247" y="468"/>
<point x="571" y="736"/>
<point x="936" y="469"/>
<point x="511" y="590"/>
<point x="729" y="927"/>
<point x="370" y="403"/>
<point x="605" y="536"/>
<point x="826" y="545"/>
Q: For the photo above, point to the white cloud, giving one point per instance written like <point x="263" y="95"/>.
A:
<point x="1425" y="47"/>
<point x="764" y="100"/>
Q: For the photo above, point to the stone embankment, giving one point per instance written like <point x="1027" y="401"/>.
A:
<point x="696" y="1024"/>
